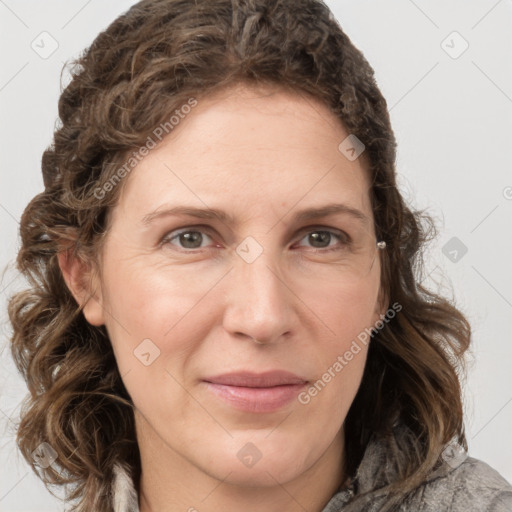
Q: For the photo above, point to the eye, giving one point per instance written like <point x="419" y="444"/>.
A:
<point x="325" y="239"/>
<point x="320" y="239"/>
<point x="188" y="239"/>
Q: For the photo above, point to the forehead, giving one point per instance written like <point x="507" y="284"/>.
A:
<point x="253" y="151"/>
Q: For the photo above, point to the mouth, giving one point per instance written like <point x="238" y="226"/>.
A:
<point x="256" y="393"/>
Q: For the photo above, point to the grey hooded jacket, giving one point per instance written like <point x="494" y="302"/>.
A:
<point x="460" y="484"/>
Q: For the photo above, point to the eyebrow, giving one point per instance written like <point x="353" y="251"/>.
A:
<point x="212" y="213"/>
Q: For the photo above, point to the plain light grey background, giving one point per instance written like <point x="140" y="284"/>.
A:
<point x="446" y="71"/>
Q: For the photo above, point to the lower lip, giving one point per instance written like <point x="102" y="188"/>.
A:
<point x="256" y="399"/>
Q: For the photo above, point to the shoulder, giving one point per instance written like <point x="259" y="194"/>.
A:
<point x="471" y="486"/>
<point x="459" y="485"/>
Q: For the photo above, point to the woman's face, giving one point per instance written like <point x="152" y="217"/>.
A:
<point x="185" y="292"/>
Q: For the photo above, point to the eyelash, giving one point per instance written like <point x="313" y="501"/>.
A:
<point x="342" y="237"/>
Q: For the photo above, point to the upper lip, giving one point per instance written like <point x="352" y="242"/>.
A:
<point x="257" y="380"/>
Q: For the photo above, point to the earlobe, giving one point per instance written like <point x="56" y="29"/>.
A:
<point x="84" y="287"/>
<point x="381" y="305"/>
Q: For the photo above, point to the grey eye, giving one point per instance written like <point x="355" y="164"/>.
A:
<point x="189" y="239"/>
<point x="320" y="238"/>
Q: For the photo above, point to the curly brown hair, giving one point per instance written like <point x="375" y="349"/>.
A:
<point x="146" y="64"/>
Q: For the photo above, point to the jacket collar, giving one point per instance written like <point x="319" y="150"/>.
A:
<point x="124" y="495"/>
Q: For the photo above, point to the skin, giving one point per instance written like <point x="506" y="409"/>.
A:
<point x="261" y="156"/>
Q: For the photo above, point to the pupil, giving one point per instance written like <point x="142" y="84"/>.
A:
<point x="320" y="237"/>
<point x="191" y="239"/>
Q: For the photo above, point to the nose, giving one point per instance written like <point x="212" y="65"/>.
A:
<point x="259" y="302"/>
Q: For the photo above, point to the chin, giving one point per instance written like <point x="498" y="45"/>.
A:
<point x="256" y="460"/>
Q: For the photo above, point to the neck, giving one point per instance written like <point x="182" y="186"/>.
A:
<point x="170" y="483"/>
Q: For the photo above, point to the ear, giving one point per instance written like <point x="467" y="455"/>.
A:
<point x="84" y="285"/>
<point x="381" y="305"/>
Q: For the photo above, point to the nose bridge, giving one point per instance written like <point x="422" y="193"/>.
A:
<point x="258" y="299"/>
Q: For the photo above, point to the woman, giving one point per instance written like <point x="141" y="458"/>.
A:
<point x="224" y="313"/>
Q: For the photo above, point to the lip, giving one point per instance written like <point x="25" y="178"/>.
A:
<point x="256" y="392"/>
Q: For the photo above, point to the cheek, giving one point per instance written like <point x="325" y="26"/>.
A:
<point x="162" y="305"/>
<point x="334" y="389"/>
<point x="347" y="314"/>
<point x="345" y="310"/>
<point x="155" y="332"/>
<point x="342" y="312"/>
